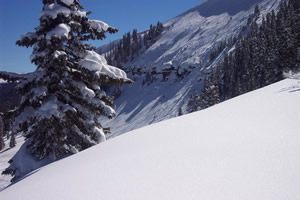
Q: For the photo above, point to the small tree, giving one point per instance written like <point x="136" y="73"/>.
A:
<point x="63" y="98"/>
<point x="12" y="142"/>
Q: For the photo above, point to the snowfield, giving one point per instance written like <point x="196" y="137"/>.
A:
<point x="245" y="148"/>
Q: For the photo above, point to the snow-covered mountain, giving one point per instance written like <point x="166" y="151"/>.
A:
<point x="245" y="148"/>
<point x="184" y="45"/>
<point x="190" y="37"/>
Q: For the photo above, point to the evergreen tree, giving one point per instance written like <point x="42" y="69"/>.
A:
<point x="194" y="103"/>
<point x="145" y="39"/>
<point x="63" y="98"/>
<point x="12" y="142"/>
<point x="260" y="56"/>
<point x="135" y="44"/>
<point x="256" y="11"/>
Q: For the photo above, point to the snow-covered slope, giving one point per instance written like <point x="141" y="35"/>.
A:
<point x="244" y="148"/>
<point x="186" y="43"/>
<point x="5" y="155"/>
<point x="190" y="37"/>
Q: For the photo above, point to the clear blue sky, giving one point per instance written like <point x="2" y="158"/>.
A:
<point x="20" y="16"/>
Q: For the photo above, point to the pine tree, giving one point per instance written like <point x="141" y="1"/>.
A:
<point x="256" y="11"/>
<point x="63" y="98"/>
<point x="12" y="142"/>
<point x="135" y="44"/>
<point x="193" y="102"/>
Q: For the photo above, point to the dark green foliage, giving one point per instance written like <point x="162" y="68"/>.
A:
<point x="1" y="133"/>
<point x="209" y="96"/>
<point x="131" y="44"/>
<point x="12" y="142"/>
<point x="63" y="100"/>
<point x="8" y="98"/>
<point x="259" y="59"/>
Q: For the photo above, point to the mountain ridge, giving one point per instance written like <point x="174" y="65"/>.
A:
<point x="209" y="8"/>
<point x="176" y="63"/>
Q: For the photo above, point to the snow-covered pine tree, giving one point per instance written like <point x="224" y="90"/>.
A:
<point x="63" y="99"/>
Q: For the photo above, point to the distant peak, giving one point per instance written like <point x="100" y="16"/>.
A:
<point x="217" y="7"/>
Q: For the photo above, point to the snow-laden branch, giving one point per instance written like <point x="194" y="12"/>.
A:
<point x="97" y="63"/>
<point x="60" y="31"/>
<point x="54" y="9"/>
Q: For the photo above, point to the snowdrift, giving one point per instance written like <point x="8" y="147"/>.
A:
<point x="244" y="148"/>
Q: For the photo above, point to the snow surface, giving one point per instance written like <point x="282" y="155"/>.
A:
<point x="95" y="62"/>
<point x="54" y="9"/>
<point x="99" y="25"/>
<point x="61" y="31"/>
<point x="5" y="155"/>
<point x="29" y="35"/>
<point x="245" y="148"/>
<point x="189" y="38"/>
<point x="59" y="53"/>
<point x="68" y="2"/>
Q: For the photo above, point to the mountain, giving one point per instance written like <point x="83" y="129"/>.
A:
<point x="8" y="98"/>
<point x="244" y="148"/>
<point x="178" y="61"/>
<point x="189" y="38"/>
<point x="216" y="7"/>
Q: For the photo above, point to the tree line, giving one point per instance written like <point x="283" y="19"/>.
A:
<point x="131" y="44"/>
<point x="260" y="57"/>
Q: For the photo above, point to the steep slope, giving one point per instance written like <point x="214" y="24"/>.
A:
<point x="177" y="62"/>
<point x="190" y="37"/>
<point x="245" y="148"/>
<point x="216" y="7"/>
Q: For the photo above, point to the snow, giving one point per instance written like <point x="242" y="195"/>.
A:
<point x="52" y="107"/>
<point x="5" y="155"/>
<point x="22" y="118"/>
<point x="142" y="104"/>
<point x="68" y="2"/>
<point x="100" y="134"/>
<point x="186" y="44"/>
<point x="49" y="108"/>
<point x="245" y="148"/>
<point x="54" y="9"/>
<point x="98" y="25"/>
<point x="29" y="35"/>
<point x="85" y="90"/>
<point x="95" y="62"/>
<point x="59" y="53"/>
<point x="60" y="31"/>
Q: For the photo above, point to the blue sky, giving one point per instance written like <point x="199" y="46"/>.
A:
<point x="20" y="16"/>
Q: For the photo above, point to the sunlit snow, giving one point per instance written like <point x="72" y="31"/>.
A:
<point x="245" y="148"/>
